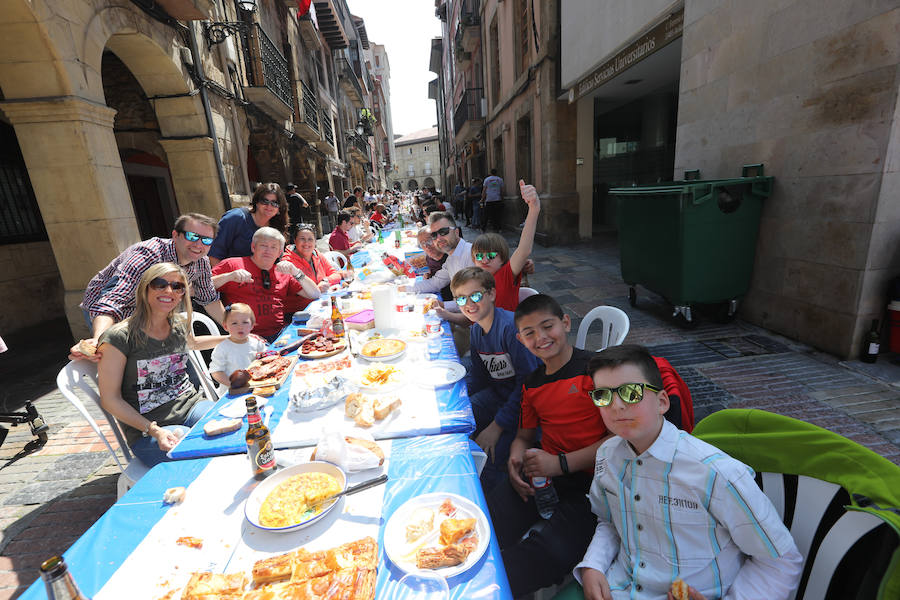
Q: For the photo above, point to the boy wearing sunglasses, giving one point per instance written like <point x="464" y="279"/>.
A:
<point x="500" y="364"/>
<point x="670" y="506"/>
<point x="555" y="404"/>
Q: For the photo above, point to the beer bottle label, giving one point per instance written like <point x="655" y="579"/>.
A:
<point x="265" y="458"/>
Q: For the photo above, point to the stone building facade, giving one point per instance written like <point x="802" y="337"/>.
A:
<point x="809" y="90"/>
<point x="118" y="116"/>
<point x="418" y="161"/>
<point x="500" y="92"/>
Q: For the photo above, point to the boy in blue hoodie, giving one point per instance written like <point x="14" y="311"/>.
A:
<point x="500" y="364"/>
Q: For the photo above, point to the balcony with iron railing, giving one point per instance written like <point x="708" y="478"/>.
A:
<point x="469" y="24"/>
<point x="327" y="130"/>
<point x="268" y="74"/>
<point x="359" y="147"/>
<point x="349" y="81"/>
<point x="307" y="122"/>
<point x="469" y="115"/>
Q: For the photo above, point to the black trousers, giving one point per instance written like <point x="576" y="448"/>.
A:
<point x="552" y="550"/>
<point x="493" y="216"/>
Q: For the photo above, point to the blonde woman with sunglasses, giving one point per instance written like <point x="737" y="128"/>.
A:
<point x="143" y="369"/>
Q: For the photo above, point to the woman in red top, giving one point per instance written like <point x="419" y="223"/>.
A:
<point x="491" y="252"/>
<point x="303" y="255"/>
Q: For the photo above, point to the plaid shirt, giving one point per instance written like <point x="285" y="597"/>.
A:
<point x="112" y="290"/>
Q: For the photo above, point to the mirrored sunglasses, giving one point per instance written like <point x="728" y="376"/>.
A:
<point x="268" y="202"/>
<point x="475" y="297"/>
<point x="630" y="393"/>
<point x="440" y="232"/>
<point x="193" y="237"/>
<point x="484" y="256"/>
<point x="159" y="284"/>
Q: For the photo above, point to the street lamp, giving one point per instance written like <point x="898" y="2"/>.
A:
<point x="217" y="32"/>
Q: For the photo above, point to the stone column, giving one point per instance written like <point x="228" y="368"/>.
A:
<point x="73" y="162"/>
<point x="194" y="175"/>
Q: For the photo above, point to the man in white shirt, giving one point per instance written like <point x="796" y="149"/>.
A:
<point x="447" y="239"/>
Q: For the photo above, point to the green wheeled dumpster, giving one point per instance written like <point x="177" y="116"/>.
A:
<point x="693" y="241"/>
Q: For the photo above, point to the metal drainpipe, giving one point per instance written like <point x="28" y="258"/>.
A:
<point x="204" y="98"/>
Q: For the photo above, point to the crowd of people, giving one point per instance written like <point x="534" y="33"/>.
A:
<point x="640" y="501"/>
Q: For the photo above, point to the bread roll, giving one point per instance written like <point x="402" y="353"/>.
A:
<point x="385" y="406"/>
<point x="87" y="347"/>
<point x="368" y="445"/>
<point x="366" y="415"/>
<point x="680" y="590"/>
<point x="353" y="404"/>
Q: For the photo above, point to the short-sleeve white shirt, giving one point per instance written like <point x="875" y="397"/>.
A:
<point x="228" y="356"/>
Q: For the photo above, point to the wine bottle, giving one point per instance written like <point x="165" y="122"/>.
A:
<point x="871" y="344"/>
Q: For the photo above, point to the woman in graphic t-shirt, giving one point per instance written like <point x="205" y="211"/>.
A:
<point x="143" y="369"/>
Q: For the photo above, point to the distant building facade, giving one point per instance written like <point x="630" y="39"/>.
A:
<point x="418" y="161"/>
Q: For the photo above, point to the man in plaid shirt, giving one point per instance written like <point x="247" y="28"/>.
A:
<point x="110" y="295"/>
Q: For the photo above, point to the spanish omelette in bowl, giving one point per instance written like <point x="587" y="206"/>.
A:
<point x="286" y="500"/>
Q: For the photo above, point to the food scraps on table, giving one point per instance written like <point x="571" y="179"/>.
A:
<point x="174" y="495"/>
<point x="190" y="542"/>
<point x="294" y="500"/>
<point x="457" y="538"/>
<point x="365" y="410"/>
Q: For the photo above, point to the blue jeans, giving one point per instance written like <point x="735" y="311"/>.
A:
<point x="147" y="448"/>
<point x="476" y="214"/>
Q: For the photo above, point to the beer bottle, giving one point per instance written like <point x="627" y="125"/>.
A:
<point x="259" y="443"/>
<point x="59" y="582"/>
<point x="871" y="344"/>
<point x="337" y="321"/>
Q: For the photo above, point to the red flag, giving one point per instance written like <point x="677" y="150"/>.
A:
<point x="303" y="7"/>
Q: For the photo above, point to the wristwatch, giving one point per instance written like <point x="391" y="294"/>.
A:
<point x="146" y="432"/>
<point x="563" y="463"/>
<point x="300" y="276"/>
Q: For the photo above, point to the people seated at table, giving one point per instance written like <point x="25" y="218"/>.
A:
<point x="554" y="398"/>
<point x="434" y="260"/>
<point x="491" y="252"/>
<point x="268" y="208"/>
<point x="447" y="239"/>
<point x="379" y="214"/>
<point x="239" y="349"/>
<point x="500" y="364"/>
<point x="709" y="524"/>
<point x="110" y="295"/>
<point x="143" y="370"/>
<point x="339" y="240"/>
<point x="302" y="255"/>
<point x="255" y="281"/>
<point x="360" y="231"/>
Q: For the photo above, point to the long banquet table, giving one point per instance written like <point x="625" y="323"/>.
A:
<point x="130" y="552"/>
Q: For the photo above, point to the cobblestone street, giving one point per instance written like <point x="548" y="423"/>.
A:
<point x="49" y="497"/>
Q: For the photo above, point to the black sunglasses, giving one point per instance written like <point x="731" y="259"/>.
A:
<point x="193" y="237"/>
<point x="440" y="232"/>
<point x="269" y="202"/>
<point x="266" y="279"/>
<point x="159" y="284"/>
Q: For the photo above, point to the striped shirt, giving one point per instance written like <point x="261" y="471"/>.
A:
<point x="684" y="509"/>
<point x="112" y="290"/>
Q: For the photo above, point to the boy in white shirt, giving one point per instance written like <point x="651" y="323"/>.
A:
<point x="239" y="350"/>
<point x="672" y="507"/>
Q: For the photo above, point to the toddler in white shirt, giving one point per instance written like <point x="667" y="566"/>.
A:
<point x="241" y="347"/>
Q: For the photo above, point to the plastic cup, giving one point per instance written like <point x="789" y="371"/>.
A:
<point x="423" y="585"/>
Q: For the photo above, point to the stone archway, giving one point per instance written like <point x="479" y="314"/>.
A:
<point x="50" y="73"/>
<point x="412" y="185"/>
<point x="429" y="183"/>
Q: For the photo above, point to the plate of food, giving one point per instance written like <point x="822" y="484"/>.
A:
<point x="322" y="346"/>
<point x="270" y="371"/>
<point x="383" y="349"/>
<point x="380" y="378"/>
<point x="438" y="531"/>
<point x="285" y="501"/>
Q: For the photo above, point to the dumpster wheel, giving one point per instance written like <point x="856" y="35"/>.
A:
<point x="683" y="315"/>
<point x="727" y="311"/>
<point x="632" y="296"/>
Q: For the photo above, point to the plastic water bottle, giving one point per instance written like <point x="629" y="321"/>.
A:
<point x="433" y="334"/>
<point x="544" y="496"/>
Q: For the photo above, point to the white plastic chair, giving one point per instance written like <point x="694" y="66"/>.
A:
<point x="196" y="358"/>
<point x="525" y="292"/>
<point x="337" y="259"/>
<point x="82" y="374"/>
<point x="615" y="326"/>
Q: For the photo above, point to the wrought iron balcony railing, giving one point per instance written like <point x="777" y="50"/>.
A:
<point x="265" y="64"/>
<point x="469" y="108"/>
<point x="327" y="129"/>
<point x="310" y="106"/>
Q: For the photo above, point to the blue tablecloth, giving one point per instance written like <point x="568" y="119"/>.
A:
<point x="417" y="466"/>
<point x="453" y="405"/>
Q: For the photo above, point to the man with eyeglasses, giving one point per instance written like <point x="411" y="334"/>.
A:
<point x="110" y="295"/>
<point x="255" y="281"/>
